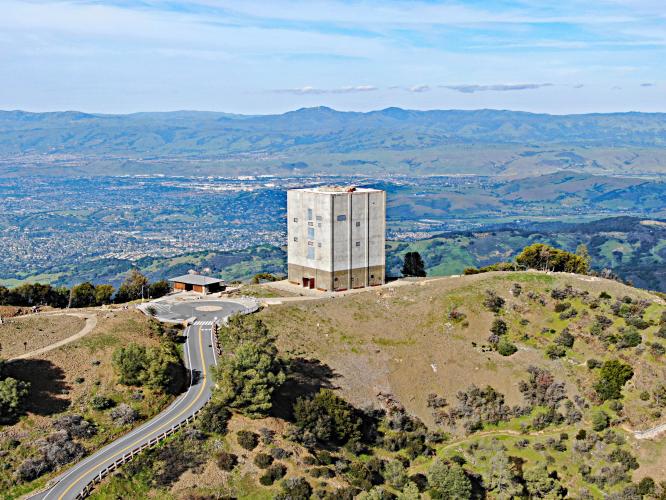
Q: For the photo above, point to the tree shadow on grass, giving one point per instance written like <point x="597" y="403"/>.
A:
<point x="48" y="389"/>
<point x="305" y="377"/>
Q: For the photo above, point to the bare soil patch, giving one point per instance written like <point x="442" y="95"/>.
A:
<point x="27" y="333"/>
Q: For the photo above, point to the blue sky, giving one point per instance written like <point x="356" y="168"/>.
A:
<point x="118" y="56"/>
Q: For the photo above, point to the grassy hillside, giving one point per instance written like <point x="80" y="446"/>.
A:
<point x="67" y="382"/>
<point x="412" y="352"/>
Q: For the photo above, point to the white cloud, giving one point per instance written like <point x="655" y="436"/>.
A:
<point x="309" y="90"/>
<point x="470" y="89"/>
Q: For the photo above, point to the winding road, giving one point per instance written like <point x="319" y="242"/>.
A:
<point x="199" y="356"/>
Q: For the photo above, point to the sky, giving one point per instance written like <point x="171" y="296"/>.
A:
<point x="258" y="57"/>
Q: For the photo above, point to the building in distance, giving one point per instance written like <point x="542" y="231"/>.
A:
<point x="336" y="237"/>
<point x="197" y="283"/>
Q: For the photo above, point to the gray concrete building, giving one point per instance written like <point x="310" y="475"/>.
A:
<point x="336" y="237"/>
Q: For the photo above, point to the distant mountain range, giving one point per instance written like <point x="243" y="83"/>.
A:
<point x="391" y="140"/>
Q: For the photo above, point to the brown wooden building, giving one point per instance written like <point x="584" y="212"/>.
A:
<point x="197" y="283"/>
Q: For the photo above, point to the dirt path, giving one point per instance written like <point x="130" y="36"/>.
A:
<point x="91" y="323"/>
<point x="649" y="433"/>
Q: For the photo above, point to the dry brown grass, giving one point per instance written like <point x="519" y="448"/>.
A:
<point x="400" y="340"/>
<point x="37" y="331"/>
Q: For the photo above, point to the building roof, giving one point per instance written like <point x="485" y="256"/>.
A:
<point x="196" y="279"/>
<point x="337" y="189"/>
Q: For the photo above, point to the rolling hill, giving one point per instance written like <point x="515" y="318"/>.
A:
<point x="391" y="140"/>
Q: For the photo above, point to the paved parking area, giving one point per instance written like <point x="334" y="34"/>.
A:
<point x="180" y="308"/>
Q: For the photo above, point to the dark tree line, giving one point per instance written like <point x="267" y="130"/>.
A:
<point x="86" y="294"/>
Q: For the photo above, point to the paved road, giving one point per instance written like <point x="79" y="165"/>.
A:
<point x="199" y="356"/>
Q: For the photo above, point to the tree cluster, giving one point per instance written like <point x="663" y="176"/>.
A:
<point x="13" y="394"/>
<point x="547" y="258"/>
<point x="158" y="368"/>
<point x="250" y="370"/>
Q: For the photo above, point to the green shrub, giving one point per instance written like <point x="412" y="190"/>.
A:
<point x="593" y="363"/>
<point x="247" y="439"/>
<point x="554" y="351"/>
<point x="214" y="418"/>
<point x="101" y="403"/>
<point x="328" y="418"/>
<point x="506" y="348"/>
<point x="565" y="338"/>
<point x="499" y="327"/>
<point x="612" y="377"/>
<point x="263" y="460"/>
<point x="562" y="306"/>
<point x="294" y="489"/>
<point x="448" y="481"/>
<point x="629" y="338"/>
<point x="600" y="420"/>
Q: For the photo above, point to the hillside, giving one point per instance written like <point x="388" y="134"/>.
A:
<point x="324" y="140"/>
<point x="416" y="353"/>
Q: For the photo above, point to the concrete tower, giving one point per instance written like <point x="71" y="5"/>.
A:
<point x="336" y="237"/>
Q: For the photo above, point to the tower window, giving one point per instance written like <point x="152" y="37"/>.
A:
<point x="341" y="217"/>
<point x="358" y="243"/>
<point x="358" y="224"/>
<point x="295" y="238"/>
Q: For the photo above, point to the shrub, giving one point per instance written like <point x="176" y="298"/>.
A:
<point x="327" y="418"/>
<point x="395" y="474"/>
<point x="294" y="489"/>
<point x="58" y="449"/>
<point x="280" y="453"/>
<point x="274" y="473"/>
<point x="214" y="418"/>
<point x="657" y="349"/>
<point x="75" y="425"/>
<point x="101" y="403"/>
<point x="516" y="289"/>
<point x="593" y="363"/>
<point x="247" y="439"/>
<point x="226" y="461"/>
<point x="506" y="348"/>
<point x="541" y="389"/>
<point x="568" y="314"/>
<point x="267" y="435"/>
<point x="647" y="487"/>
<point x="625" y="458"/>
<point x="565" y="338"/>
<point x="604" y="295"/>
<point x="263" y="460"/>
<point x="32" y="468"/>
<point x="124" y="414"/>
<point x="629" y="338"/>
<point x="600" y="420"/>
<point x="448" y="481"/>
<point x="554" y="351"/>
<point x="499" y="327"/>
<point x="493" y="302"/>
<point x="612" y="377"/>
<point x="562" y="306"/>
<point x="130" y="364"/>
<point x="12" y="397"/>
